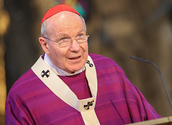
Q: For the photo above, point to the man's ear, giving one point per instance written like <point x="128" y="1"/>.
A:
<point x="44" y="44"/>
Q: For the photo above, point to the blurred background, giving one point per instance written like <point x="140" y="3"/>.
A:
<point x="118" y="29"/>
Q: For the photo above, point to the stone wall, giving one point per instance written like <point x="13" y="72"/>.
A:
<point x="120" y="29"/>
<point x="4" y="23"/>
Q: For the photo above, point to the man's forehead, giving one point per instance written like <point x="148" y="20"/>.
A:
<point x="63" y="33"/>
<point x="64" y="19"/>
<point x="57" y="9"/>
<point x="67" y="32"/>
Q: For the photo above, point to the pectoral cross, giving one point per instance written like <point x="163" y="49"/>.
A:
<point x="88" y="105"/>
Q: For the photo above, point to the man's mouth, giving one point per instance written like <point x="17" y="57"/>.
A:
<point x="73" y="58"/>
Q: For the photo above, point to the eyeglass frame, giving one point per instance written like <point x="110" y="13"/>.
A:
<point x="71" y="40"/>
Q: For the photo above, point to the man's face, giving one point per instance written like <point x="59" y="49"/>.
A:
<point x="65" y="25"/>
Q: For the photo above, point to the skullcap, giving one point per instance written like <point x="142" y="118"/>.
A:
<point x="56" y="9"/>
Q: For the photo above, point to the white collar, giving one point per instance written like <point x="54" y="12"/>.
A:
<point x="59" y="71"/>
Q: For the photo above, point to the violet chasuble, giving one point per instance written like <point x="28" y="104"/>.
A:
<point x="59" y="88"/>
<point x="113" y="100"/>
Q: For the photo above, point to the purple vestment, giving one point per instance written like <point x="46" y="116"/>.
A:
<point x="119" y="102"/>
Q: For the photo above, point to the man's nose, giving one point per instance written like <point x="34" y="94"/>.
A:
<point x="75" y="46"/>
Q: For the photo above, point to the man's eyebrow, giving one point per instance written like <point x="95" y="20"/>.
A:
<point x="67" y="35"/>
<point x="63" y="35"/>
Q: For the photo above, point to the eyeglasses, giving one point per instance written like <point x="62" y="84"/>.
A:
<point x="64" y="42"/>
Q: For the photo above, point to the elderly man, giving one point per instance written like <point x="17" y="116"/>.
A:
<point x="69" y="86"/>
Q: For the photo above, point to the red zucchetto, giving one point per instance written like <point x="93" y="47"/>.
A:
<point x="56" y="9"/>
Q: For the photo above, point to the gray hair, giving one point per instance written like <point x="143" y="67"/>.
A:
<point x="44" y="31"/>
